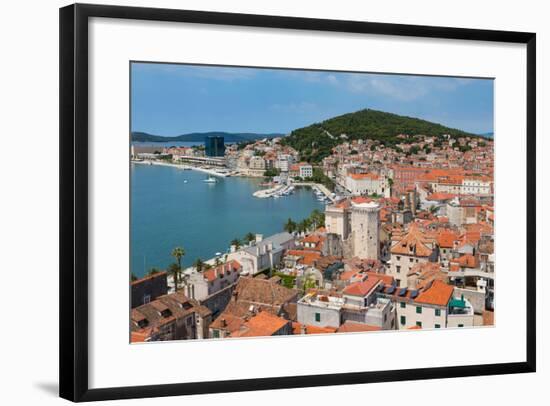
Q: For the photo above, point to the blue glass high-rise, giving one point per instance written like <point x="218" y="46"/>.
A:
<point x="214" y="146"/>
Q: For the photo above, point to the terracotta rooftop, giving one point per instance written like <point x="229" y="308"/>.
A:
<point x="308" y="257"/>
<point x="223" y="269"/>
<point x="361" y="176"/>
<point x="438" y="294"/>
<point x="362" y="288"/>
<point x="353" y="327"/>
<point x="413" y="243"/>
<point x="466" y="261"/>
<point x="298" y="328"/>
<point x="149" y="277"/>
<point x="446" y="238"/>
<point x="261" y="324"/>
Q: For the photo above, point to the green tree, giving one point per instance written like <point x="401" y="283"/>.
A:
<point x="236" y="242"/>
<point x="269" y="173"/>
<point x="308" y="282"/>
<point x="198" y="264"/>
<point x="133" y="277"/>
<point x="303" y="225"/>
<point x="290" y="226"/>
<point x="178" y="253"/>
<point x="317" y="218"/>
<point x="249" y="237"/>
<point x="174" y="270"/>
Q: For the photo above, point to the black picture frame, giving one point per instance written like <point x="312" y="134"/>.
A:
<point x="74" y="195"/>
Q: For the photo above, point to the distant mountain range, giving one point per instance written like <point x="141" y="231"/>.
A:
<point x="488" y="135"/>
<point x="138" y="136"/>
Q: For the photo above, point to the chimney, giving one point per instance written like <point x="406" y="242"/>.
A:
<point x="259" y="237"/>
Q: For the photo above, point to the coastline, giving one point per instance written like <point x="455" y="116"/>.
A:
<point x="183" y="166"/>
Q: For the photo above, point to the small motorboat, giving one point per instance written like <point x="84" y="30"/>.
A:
<point x="210" y="179"/>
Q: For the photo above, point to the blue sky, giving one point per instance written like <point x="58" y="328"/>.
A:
<point x="172" y="99"/>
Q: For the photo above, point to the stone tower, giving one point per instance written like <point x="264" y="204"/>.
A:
<point x="365" y="230"/>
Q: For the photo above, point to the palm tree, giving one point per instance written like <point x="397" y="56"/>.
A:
<point x="317" y="218"/>
<point x="177" y="253"/>
<point x="174" y="271"/>
<point x="249" y="237"/>
<point x="198" y="264"/>
<point x="236" y="242"/>
<point x="303" y="225"/>
<point x="290" y="226"/>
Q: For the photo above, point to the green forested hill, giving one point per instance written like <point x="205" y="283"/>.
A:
<point x="316" y="141"/>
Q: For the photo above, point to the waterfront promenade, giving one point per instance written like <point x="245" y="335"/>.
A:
<point x="212" y="172"/>
<point x="321" y="187"/>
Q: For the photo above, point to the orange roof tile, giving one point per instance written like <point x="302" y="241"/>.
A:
<point x="308" y="257"/>
<point x="212" y="273"/>
<point x="262" y="324"/>
<point x="466" y="261"/>
<point x="362" y="288"/>
<point x="438" y="294"/>
<point x="413" y="243"/>
<point x="352" y="327"/>
<point x="446" y="239"/>
<point x="297" y="329"/>
<point x="441" y="196"/>
<point x="361" y="176"/>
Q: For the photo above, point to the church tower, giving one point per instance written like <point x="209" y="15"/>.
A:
<point x="365" y="230"/>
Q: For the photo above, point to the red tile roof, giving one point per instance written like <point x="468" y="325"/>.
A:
<point x="438" y="294"/>
<point x="446" y="239"/>
<point x="262" y="324"/>
<point x="413" y="243"/>
<point x="362" y="288"/>
<point x="361" y="176"/>
<point x="352" y="327"/>
<point x="148" y="277"/>
<point x="466" y="261"/>
<point x="308" y="257"/>
<point x="212" y="273"/>
<point x="297" y="329"/>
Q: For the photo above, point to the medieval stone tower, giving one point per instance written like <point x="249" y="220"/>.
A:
<point x="365" y="230"/>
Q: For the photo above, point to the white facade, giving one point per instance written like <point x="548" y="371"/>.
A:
<point x="401" y="265"/>
<point x="337" y="220"/>
<point x="420" y="315"/>
<point x="367" y="184"/>
<point x="306" y="171"/>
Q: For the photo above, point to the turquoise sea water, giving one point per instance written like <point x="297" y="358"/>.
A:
<point x="202" y="218"/>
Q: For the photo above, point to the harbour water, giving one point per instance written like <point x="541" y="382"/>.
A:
<point x="173" y="207"/>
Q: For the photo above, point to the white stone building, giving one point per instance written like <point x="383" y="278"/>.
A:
<point x="365" y="229"/>
<point x="367" y="184"/>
